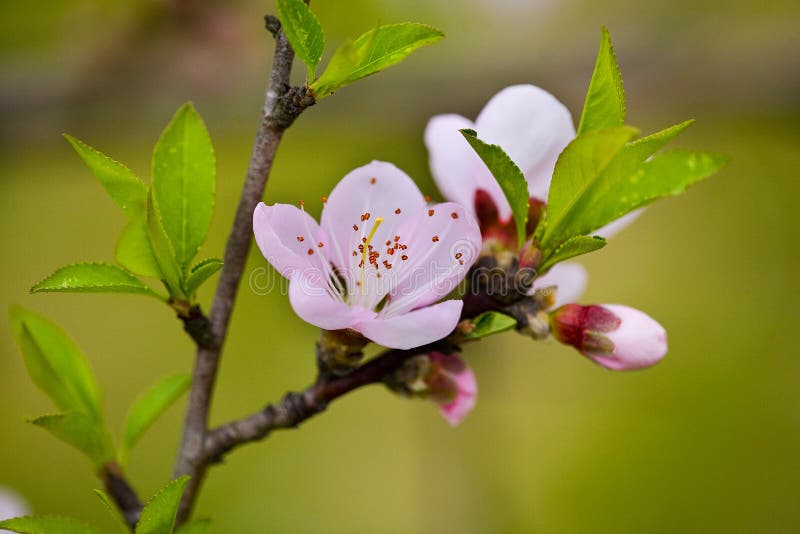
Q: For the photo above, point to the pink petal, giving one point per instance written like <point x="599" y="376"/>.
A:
<point x="457" y="170"/>
<point x="11" y="505"/>
<point x="570" y="279"/>
<point x="277" y="229"/>
<point x="313" y="302"/>
<point x="614" y="227"/>
<point x="415" y="328"/>
<point x="443" y="242"/>
<point x="532" y="127"/>
<point x="380" y="190"/>
<point x="638" y="342"/>
<point x="465" y="383"/>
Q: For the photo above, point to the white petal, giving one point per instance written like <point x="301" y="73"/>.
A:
<point x="456" y="168"/>
<point x="533" y="127"/>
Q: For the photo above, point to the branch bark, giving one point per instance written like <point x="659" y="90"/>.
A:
<point x="122" y="493"/>
<point x="282" y="105"/>
<point x="296" y="407"/>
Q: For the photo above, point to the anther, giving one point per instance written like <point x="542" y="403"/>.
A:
<point x="310" y="251"/>
<point x="300" y="238"/>
<point x="430" y="213"/>
<point x="454" y="215"/>
<point x="435" y="238"/>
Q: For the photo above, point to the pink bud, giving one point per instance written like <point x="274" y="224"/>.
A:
<point x="615" y="336"/>
<point x="451" y="383"/>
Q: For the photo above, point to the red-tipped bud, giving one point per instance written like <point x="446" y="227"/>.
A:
<point x="615" y="336"/>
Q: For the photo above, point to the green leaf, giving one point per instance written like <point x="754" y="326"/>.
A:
<point x="158" y="517"/>
<point x="202" y="272"/>
<point x="605" y="99"/>
<point x="304" y="33"/>
<point x="372" y="52"/>
<point x="172" y="274"/>
<point x="184" y="178"/>
<point x="121" y="183"/>
<point x="572" y="247"/>
<point x="198" y="526"/>
<point x="508" y="175"/>
<point x="134" y="251"/>
<point x="489" y="323"/>
<point x="46" y="524"/>
<point x="93" y="278"/>
<point x="576" y="170"/>
<point x="82" y="432"/>
<point x="55" y="363"/>
<point x="621" y="187"/>
<point x="149" y="407"/>
<point x="105" y="498"/>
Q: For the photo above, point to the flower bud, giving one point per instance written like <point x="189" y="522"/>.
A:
<point x="615" y="336"/>
<point x="442" y="378"/>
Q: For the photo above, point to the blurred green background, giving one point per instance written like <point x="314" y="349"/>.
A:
<point x="707" y="441"/>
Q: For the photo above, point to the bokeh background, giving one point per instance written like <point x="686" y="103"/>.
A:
<point x="707" y="441"/>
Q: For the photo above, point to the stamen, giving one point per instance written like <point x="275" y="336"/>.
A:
<point x="458" y="255"/>
<point x="324" y="199"/>
<point x="397" y="211"/>
<point x="319" y="244"/>
<point x="427" y="198"/>
<point x="435" y="238"/>
<point x="404" y="257"/>
<point x="310" y="251"/>
<point x="454" y="215"/>
<point x="366" y="240"/>
<point x="430" y="213"/>
<point x="355" y="228"/>
<point x="300" y="238"/>
<point x="373" y="180"/>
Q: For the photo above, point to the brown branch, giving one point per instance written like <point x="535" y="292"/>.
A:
<point x="295" y="407"/>
<point x="282" y="105"/>
<point x="122" y="493"/>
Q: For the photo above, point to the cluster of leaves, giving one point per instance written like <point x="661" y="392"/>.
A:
<point x="59" y="368"/>
<point x="167" y="221"/>
<point x="157" y="517"/>
<point x="603" y="174"/>
<point x="375" y="50"/>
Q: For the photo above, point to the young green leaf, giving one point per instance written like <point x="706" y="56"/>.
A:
<point x="622" y="186"/>
<point x="489" y="323"/>
<point x="508" y="175"/>
<point x="55" y="364"/>
<point x="572" y="247"/>
<point x="149" y="407"/>
<point x="576" y="170"/>
<point x="158" y="517"/>
<point x="112" y="509"/>
<point x="172" y="274"/>
<point x="120" y="182"/>
<point x="202" y="272"/>
<point x="184" y="178"/>
<point x="82" y="432"/>
<point x="605" y="99"/>
<point x="134" y="251"/>
<point x="372" y="52"/>
<point x="93" y="278"/>
<point x="46" y="524"/>
<point x="304" y="33"/>
<point x="198" y="526"/>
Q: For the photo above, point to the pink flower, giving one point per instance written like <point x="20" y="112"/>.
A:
<point x="378" y="261"/>
<point x="615" y="336"/>
<point x="533" y="128"/>
<point x="451" y="383"/>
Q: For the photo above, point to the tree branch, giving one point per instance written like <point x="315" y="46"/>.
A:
<point x="122" y="493"/>
<point x="295" y="407"/>
<point x="282" y="105"/>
